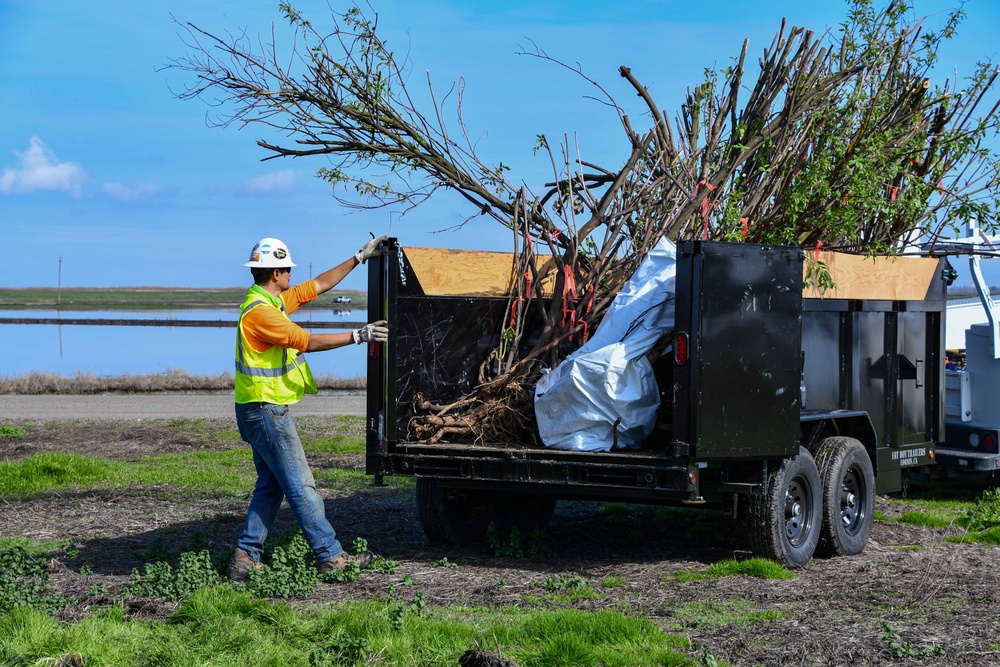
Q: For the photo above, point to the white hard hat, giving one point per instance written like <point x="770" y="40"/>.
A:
<point x="270" y="254"/>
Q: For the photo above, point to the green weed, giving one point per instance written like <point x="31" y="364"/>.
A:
<point x="25" y="583"/>
<point x="346" y="574"/>
<point x="552" y="583"/>
<point x="290" y="572"/>
<point x="984" y="514"/>
<point x="515" y="544"/>
<point x="352" y="571"/>
<point x="383" y="565"/>
<point x="903" y="649"/>
<point x="8" y="431"/>
<point x="160" y="580"/>
<point x="613" y="582"/>
<point x="706" y="659"/>
<point x="100" y="589"/>
<point x="568" y="589"/>
<point x="342" y="648"/>
<point x="419" y="603"/>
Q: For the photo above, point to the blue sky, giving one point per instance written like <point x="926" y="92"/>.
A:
<point x="102" y="166"/>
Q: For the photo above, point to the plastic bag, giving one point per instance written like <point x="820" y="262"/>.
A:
<point x="605" y="394"/>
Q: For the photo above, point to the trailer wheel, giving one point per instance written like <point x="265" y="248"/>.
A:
<point x="784" y="521"/>
<point x="524" y="512"/>
<point x="453" y="516"/>
<point x="848" y="496"/>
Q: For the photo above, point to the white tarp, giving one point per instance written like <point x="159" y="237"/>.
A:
<point x="578" y="403"/>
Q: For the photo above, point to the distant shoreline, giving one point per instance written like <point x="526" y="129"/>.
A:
<point x="149" y="298"/>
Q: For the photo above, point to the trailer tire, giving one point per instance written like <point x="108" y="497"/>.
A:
<point x="524" y="512"/>
<point x="783" y="523"/>
<point x="848" y="496"/>
<point x="452" y="516"/>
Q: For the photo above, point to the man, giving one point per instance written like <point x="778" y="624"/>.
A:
<point x="271" y="374"/>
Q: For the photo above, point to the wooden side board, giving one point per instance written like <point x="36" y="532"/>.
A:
<point x="481" y="273"/>
<point x="466" y="272"/>
<point x="883" y="278"/>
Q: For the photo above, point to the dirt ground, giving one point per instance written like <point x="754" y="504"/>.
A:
<point x="940" y="599"/>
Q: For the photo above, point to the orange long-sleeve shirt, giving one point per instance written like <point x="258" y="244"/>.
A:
<point x="265" y="327"/>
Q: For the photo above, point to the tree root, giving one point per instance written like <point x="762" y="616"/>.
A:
<point x="503" y="416"/>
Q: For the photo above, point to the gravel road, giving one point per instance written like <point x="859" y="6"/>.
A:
<point x="160" y="406"/>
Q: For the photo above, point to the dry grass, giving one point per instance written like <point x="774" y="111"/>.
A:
<point x="173" y="380"/>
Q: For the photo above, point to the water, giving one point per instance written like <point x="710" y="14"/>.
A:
<point x="67" y="349"/>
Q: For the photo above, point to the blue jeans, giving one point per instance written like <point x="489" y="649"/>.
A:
<point x="282" y="472"/>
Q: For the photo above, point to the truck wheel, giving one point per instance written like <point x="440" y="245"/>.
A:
<point x="453" y="516"/>
<point x="784" y="522"/>
<point x="848" y="496"/>
<point x="526" y="513"/>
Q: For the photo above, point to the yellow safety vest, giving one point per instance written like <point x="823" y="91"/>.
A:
<point x="279" y="375"/>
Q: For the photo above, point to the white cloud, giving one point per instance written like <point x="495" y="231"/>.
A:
<point x="41" y="170"/>
<point x="135" y="192"/>
<point x="278" y="183"/>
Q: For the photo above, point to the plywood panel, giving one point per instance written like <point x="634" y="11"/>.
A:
<point x="451" y="272"/>
<point x="444" y="271"/>
<point x="883" y="278"/>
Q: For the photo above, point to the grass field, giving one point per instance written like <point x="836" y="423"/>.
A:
<point x="146" y="298"/>
<point x="117" y="534"/>
<point x="202" y="618"/>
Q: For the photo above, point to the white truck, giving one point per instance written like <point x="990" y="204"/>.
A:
<point x="972" y="379"/>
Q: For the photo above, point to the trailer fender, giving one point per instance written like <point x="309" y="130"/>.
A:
<point x="818" y="425"/>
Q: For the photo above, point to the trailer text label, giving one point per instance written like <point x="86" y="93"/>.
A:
<point x="909" y="457"/>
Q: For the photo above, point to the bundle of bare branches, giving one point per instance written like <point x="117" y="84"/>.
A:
<point x="846" y="140"/>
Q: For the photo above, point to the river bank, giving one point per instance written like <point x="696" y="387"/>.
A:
<point x="147" y="298"/>
<point x="188" y="406"/>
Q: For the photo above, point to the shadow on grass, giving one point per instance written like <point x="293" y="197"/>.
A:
<point x="580" y="535"/>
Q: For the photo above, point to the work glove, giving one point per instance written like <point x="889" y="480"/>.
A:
<point x="369" y="250"/>
<point x="373" y="331"/>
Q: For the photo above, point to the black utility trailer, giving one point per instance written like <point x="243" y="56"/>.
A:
<point x="786" y="413"/>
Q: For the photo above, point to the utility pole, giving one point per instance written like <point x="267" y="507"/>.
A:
<point x="310" y="270"/>
<point x="59" y="285"/>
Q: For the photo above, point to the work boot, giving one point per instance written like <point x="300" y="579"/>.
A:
<point x="343" y="560"/>
<point x="240" y="566"/>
